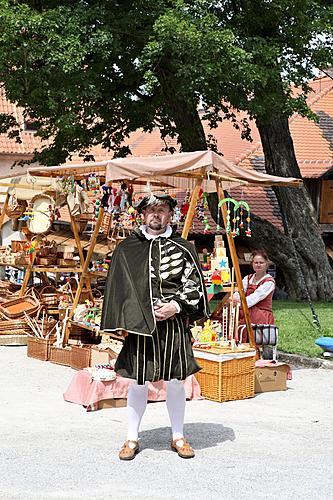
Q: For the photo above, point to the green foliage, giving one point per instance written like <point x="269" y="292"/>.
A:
<point x="73" y="66"/>
<point x="283" y="42"/>
<point x="90" y="72"/>
<point x="297" y="332"/>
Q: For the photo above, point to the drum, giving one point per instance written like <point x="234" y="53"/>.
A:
<point x="41" y="212"/>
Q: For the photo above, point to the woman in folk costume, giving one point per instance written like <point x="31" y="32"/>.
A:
<point x="154" y="290"/>
<point x="259" y="289"/>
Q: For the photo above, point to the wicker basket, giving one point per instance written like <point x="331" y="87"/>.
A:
<point x="23" y="260"/>
<point x="46" y="261"/>
<point x="48" y="249"/>
<point x="39" y="348"/>
<point x="15" y="308"/>
<point x="8" y="326"/>
<point x="87" y="216"/>
<point x="80" y="356"/>
<point x="106" y="223"/>
<point x="227" y="380"/>
<point x="60" y="355"/>
<point x="78" y="332"/>
<point x="18" y="245"/>
<point x="15" y="208"/>
<point x="47" y="325"/>
<point x="66" y="263"/>
<point x="49" y="296"/>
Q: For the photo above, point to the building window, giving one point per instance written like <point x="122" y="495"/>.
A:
<point x="30" y="125"/>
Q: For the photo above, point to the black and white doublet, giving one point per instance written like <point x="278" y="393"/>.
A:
<point x="162" y="268"/>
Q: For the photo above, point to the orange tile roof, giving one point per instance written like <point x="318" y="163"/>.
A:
<point x="30" y="142"/>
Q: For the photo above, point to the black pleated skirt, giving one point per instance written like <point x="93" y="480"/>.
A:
<point x="166" y="355"/>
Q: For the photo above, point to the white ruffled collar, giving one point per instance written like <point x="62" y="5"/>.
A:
<point x="167" y="233"/>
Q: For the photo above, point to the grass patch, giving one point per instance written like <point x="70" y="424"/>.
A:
<point x="296" y="330"/>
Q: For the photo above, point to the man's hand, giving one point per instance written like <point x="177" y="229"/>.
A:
<point x="164" y="311"/>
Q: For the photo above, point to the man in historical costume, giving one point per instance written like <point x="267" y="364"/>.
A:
<point x="154" y="290"/>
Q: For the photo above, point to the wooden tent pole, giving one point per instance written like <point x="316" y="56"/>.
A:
<point x="3" y="211"/>
<point x="79" y="247"/>
<point x="27" y="275"/>
<point x="191" y="208"/>
<point x="84" y="273"/>
<point x="234" y="258"/>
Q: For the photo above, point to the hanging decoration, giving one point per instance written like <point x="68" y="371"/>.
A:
<point x="31" y="247"/>
<point x="118" y="199"/>
<point x="28" y="215"/>
<point x="201" y="210"/>
<point x="67" y="184"/>
<point x="235" y="222"/>
<point x="185" y="205"/>
<point x="93" y="182"/>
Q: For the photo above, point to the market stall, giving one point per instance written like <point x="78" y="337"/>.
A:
<point x="194" y="172"/>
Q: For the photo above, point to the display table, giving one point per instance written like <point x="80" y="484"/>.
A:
<point x="87" y="392"/>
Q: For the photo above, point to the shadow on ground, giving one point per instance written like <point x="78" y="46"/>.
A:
<point x="201" y="435"/>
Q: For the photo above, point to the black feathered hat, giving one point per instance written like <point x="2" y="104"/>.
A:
<point x="156" y="199"/>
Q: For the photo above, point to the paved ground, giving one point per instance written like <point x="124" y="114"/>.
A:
<point x="274" y="446"/>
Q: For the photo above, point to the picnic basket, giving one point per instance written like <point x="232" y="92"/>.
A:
<point x="226" y="380"/>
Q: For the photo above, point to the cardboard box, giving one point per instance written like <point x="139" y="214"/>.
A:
<point x="112" y="403"/>
<point x="99" y="356"/>
<point x="271" y="378"/>
<point x="102" y="356"/>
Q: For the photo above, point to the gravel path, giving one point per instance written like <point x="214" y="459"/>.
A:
<point x="274" y="446"/>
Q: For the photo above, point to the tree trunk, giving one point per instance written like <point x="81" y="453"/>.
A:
<point x="296" y="207"/>
<point x="184" y="113"/>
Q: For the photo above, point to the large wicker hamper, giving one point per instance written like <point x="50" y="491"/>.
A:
<point x="227" y="377"/>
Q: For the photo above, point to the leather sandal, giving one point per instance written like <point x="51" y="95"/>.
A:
<point x="127" y="452"/>
<point x="183" y="448"/>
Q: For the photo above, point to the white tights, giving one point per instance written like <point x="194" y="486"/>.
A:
<point x="137" y="402"/>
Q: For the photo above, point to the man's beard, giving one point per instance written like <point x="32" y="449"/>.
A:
<point x="156" y="225"/>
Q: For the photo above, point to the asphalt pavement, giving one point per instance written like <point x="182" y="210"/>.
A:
<point x="277" y="445"/>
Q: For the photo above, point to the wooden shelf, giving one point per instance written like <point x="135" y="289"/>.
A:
<point x="96" y="274"/>
<point x="225" y="289"/>
<point x="94" y="329"/>
<point x="42" y="269"/>
<point x="15" y="266"/>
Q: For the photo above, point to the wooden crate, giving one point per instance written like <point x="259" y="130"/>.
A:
<point x="227" y="380"/>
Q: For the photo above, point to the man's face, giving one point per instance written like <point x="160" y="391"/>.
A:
<point x="157" y="217"/>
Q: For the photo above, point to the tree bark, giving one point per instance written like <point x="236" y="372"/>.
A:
<point x="298" y="214"/>
<point x="184" y="113"/>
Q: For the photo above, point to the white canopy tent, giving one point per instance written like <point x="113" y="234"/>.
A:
<point x="193" y="165"/>
<point x="24" y="187"/>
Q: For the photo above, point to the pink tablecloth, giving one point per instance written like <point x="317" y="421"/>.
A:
<point x="84" y="391"/>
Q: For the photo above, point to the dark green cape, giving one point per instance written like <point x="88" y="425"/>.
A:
<point x="127" y="303"/>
